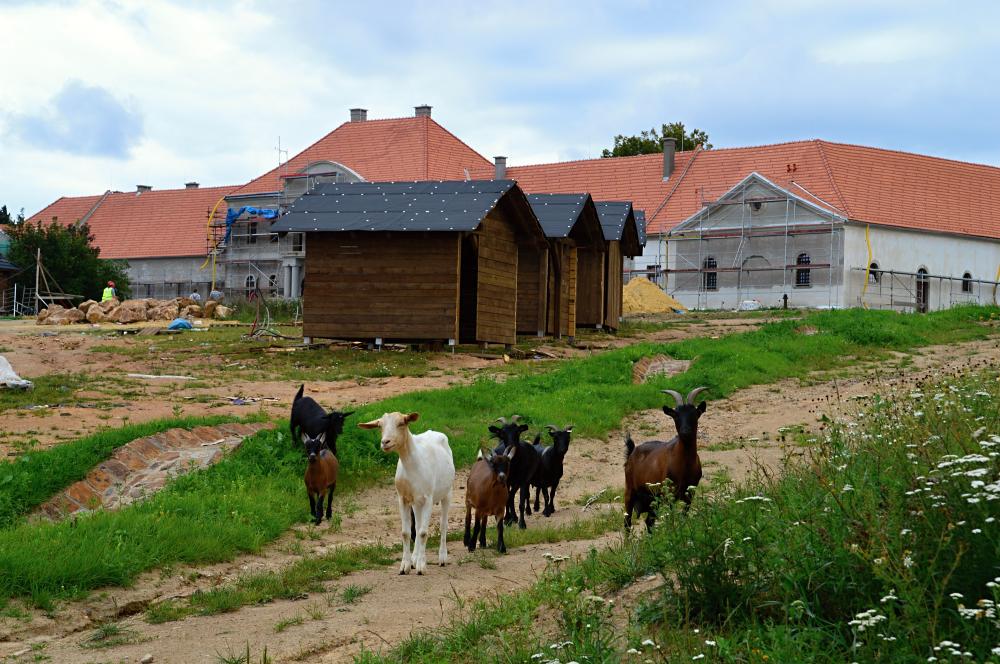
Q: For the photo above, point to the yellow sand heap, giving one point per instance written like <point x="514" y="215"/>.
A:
<point x="642" y="296"/>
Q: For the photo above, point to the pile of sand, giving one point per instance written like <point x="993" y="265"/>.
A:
<point x="642" y="296"/>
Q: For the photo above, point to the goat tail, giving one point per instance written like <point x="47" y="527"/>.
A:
<point x="298" y="395"/>
<point x="629" y="445"/>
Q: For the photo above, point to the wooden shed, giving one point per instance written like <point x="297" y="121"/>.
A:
<point x="622" y="237"/>
<point x="413" y="261"/>
<point x="572" y="269"/>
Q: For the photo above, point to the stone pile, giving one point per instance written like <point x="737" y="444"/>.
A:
<point x="131" y="311"/>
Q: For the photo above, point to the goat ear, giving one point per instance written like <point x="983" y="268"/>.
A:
<point x="702" y="406"/>
<point x="511" y="452"/>
<point x="322" y="437"/>
<point x="494" y="430"/>
<point x="569" y="429"/>
<point x="411" y="417"/>
<point x="347" y="414"/>
<point x="669" y="411"/>
<point x="374" y="424"/>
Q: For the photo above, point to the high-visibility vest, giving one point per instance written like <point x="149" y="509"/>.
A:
<point x="109" y="294"/>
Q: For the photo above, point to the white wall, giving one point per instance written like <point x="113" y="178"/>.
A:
<point x="908" y="251"/>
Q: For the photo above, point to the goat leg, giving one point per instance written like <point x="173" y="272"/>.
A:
<point x="312" y="506"/>
<point x="468" y="526"/>
<point x="511" y="516"/>
<point x="525" y="498"/>
<point x="406" y="519"/>
<point x="552" y="497"/>
<point x="482" y="531"/>
<point x="538" y="489"/>
<point x="475" y="535"/>
<point x="501" y="547"/>
<point x="329" y="502"/>
<point x="443" y="544"/>
<point x="319" y="509"/>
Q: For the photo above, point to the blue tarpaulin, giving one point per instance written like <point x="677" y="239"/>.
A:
<point x="232" y="214"/>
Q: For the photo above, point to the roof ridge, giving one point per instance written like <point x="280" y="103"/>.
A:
<point x="93" y="209"/>
<point x="907" y="153"/>
<point x="833" y="180"/>
<point x="427" y="152"/>
<point x="447" y="131"/>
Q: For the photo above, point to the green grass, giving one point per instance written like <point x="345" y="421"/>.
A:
<point x="34" y="476"/>
<point x="252" y="496"/>
<point x="883" y="548"/>
<point x="352" y="593"/>
<point x="55" y="388"/>
<point x="110" y="635"/>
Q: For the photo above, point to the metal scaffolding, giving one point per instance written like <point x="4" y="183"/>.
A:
<point x="768" y="252"/>
<point x="915" y="291"/>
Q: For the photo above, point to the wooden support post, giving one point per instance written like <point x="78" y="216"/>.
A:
<point x="543" y="290"/>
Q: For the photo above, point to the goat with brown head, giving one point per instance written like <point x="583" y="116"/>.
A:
<point x="650" y="465"/>
<point x="321" y="475"/>
<point x="486" y="493"/>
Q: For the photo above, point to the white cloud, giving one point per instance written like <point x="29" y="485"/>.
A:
<point x="889" y="46"/>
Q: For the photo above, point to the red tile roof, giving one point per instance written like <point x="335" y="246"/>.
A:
<point x="158" y="223"/>
<point x="864" y="184"/>
<point x="415" y="148"/>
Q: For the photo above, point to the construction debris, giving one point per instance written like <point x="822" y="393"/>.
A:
<point x="163" y="376"/>
<point x="642" y="296"/>
<point x="10" y="379"/>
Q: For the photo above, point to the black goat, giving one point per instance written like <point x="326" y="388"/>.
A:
<point x="550" y="466"/>
<point x="309" y="418"/>
<point x="522" y="467"/>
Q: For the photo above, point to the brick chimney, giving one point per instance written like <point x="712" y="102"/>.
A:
<point x="669" y="148"/>
<point x="190" y="185"/>
<point x="359" y="114"/>
<point x="142" y="188"/>
<point x="422" y="111"/>
<point x="499" y="168"/>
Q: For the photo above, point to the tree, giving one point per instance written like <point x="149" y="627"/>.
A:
<point x="650" y="142"/>
<point x="69" y="256"/>
<point x="6" y="219"/>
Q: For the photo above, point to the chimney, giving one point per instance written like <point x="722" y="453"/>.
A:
<point x="422" y="111"/>
<point x="499" y="168"/>
<point x="190" y="185"/>
<point x="142" y="188"/>
<point x="359" y="114"/>
<point x="669" y="147"/>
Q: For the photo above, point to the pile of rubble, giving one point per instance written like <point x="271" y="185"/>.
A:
<point x="131" y="311"/>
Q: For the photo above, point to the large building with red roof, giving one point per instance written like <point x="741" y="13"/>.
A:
<point x="807" y="223"/>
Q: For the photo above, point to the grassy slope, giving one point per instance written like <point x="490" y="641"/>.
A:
<point x="254" y="495"/>
<point x="881" y="550"/>
<point x="33" y="477"/>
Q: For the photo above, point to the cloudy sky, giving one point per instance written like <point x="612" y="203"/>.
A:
<point x="98" y="95"/>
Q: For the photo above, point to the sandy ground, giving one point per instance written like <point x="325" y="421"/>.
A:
<point x="748" y="422"/>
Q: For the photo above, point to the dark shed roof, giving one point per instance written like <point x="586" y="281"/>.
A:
<point x="618" y="222"/>
<point x="557" y="212"/>
<point x="7" y="266"/>
<point x="397" y="206"/>
<point x="640" y="225"/>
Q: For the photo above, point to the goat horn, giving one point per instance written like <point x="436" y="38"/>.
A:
<point x="693" y="394"/>
<point x="551" y="427"/>
<point x="501" y="420"/>
<point x="514" y="418"/>
<point x="678" y="399"/>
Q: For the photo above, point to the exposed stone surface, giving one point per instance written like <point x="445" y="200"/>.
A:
<point x="657" y="365"/>
<point x="142" y="467"/>
<point x="130" y="311"/>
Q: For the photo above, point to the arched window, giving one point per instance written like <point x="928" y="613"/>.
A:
<point x="923" y="291"/>
<point x="711" y="279"/>
<point x="803" y="276"/>
<point x="251" y="284"/>
<point x="967" y="282"/>
<point x="272" y="283"/>
<point x="873" y="274"/>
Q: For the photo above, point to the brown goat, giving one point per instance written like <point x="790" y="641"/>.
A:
<point x="321" y="476"/>
<point x="486" y="493"/>
<point x="649" y="465"/>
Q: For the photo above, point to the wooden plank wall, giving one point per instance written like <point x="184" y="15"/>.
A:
<point x="590" y="288"/>
<point x="563" y="295"/>
<point x="496" y="309"/>
<point x="529" y="294"/>
<point x="401" y="286"/>
<point x="613" y="282"/>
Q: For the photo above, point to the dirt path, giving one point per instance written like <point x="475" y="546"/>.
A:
<point x="737" y="435"/>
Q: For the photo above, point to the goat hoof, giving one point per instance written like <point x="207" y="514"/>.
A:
<point x="402" y="572"/>
<point x="419" y="573"/>
<point x="522" y="525"/>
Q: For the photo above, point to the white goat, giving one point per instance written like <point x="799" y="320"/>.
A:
<point x="425" y="474"/>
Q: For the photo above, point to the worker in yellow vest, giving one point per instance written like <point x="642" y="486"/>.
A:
<point x="109" y="292"/>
